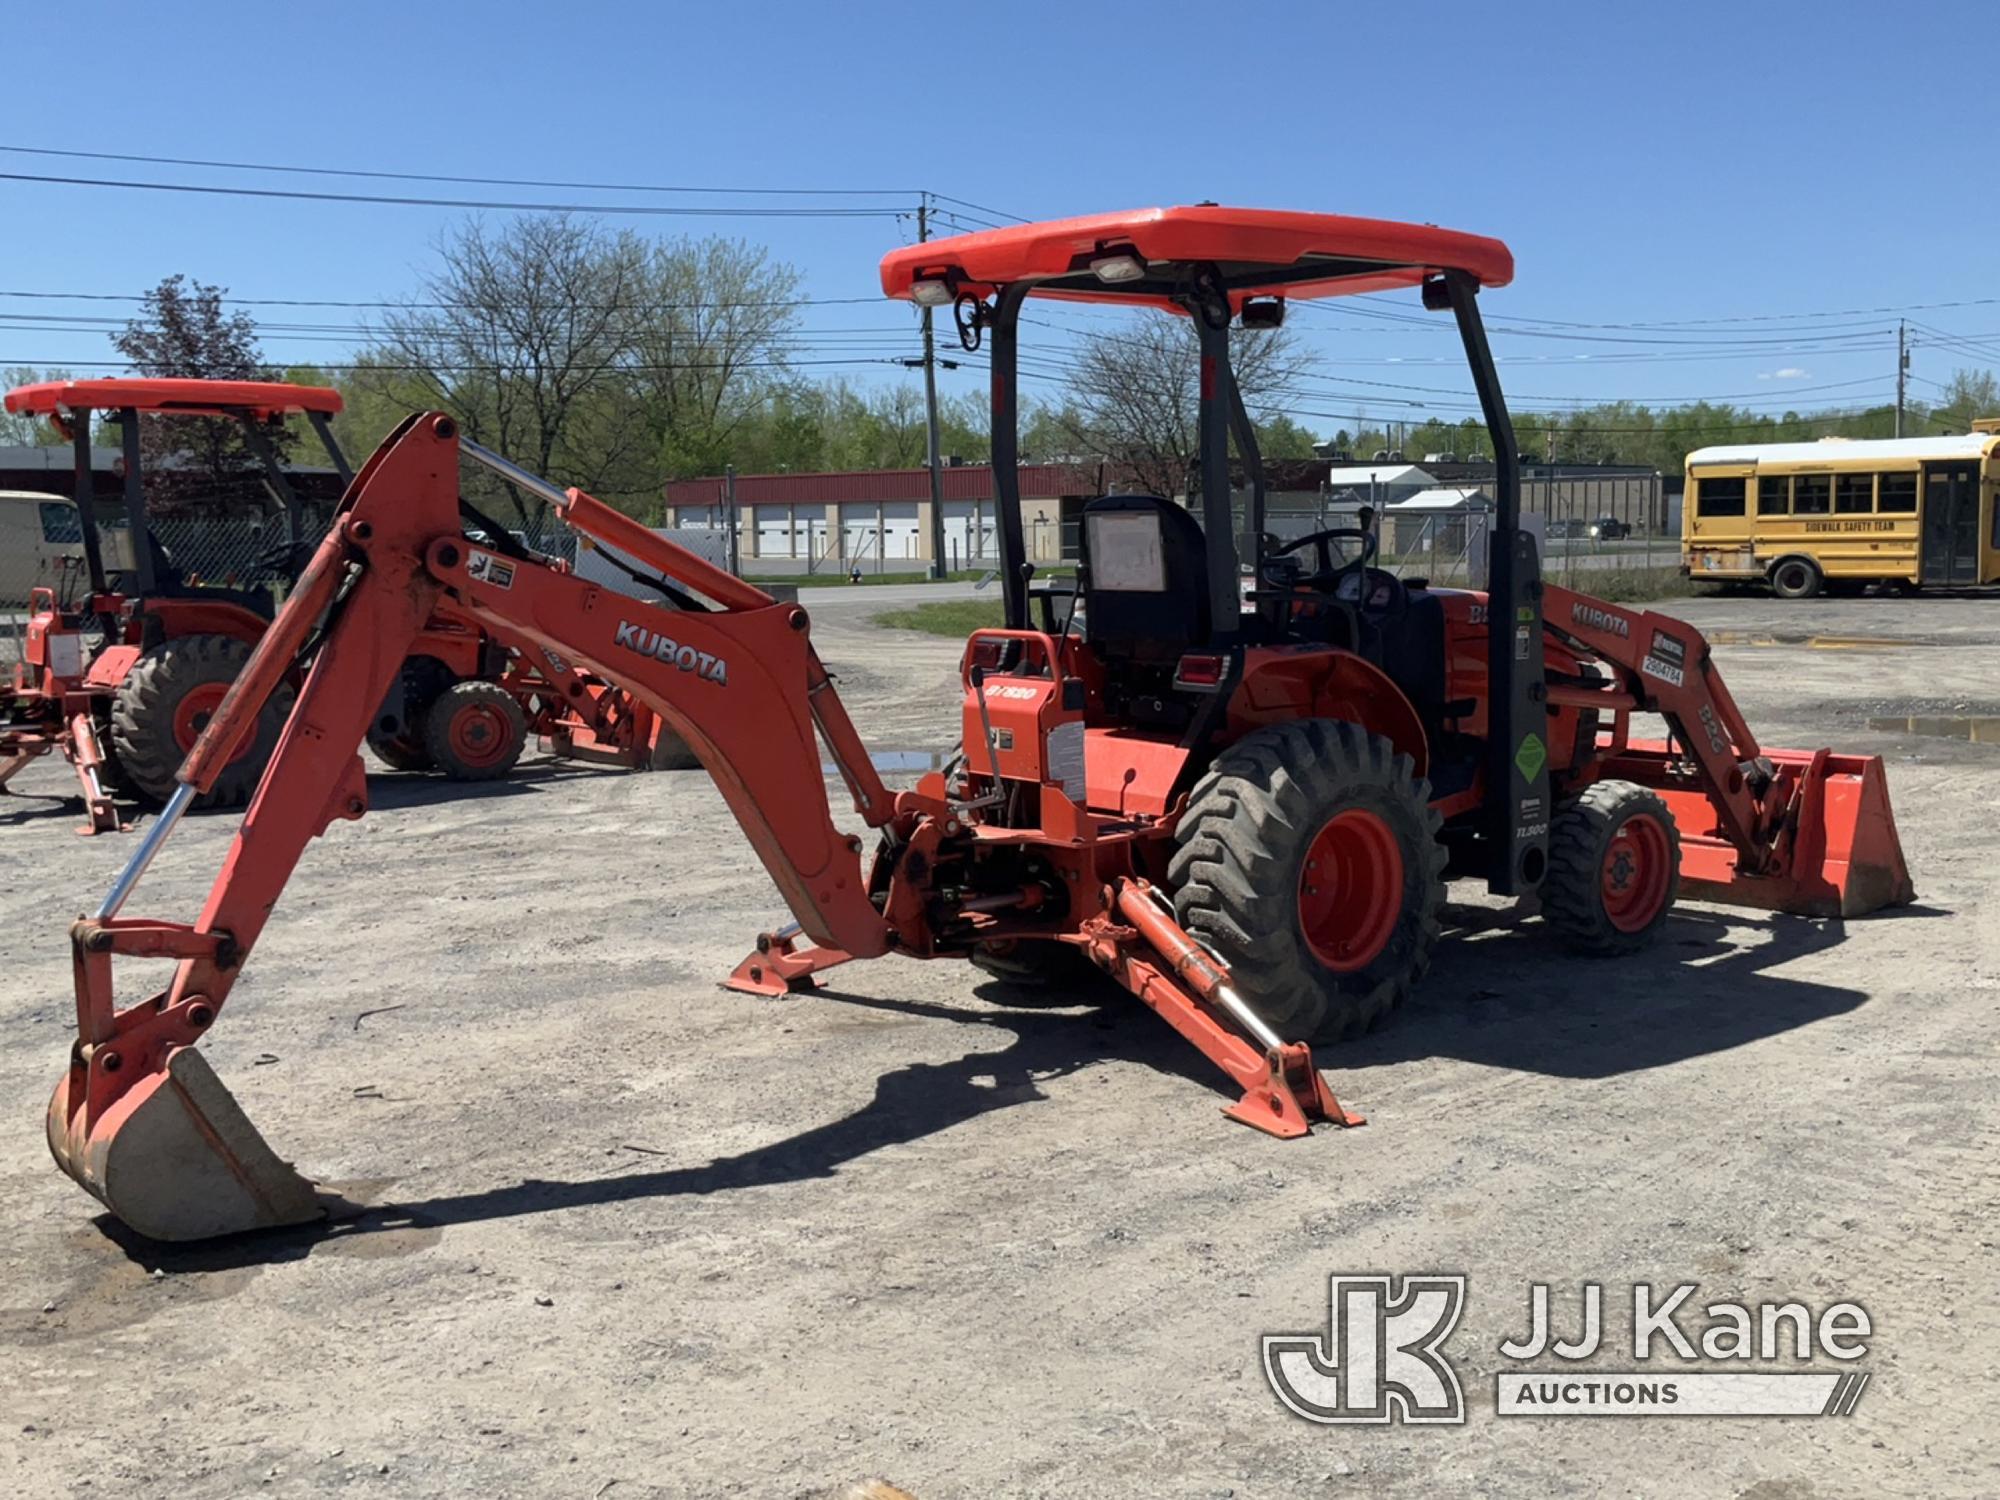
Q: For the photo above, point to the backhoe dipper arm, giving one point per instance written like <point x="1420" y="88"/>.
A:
<point x="742" y="685"/>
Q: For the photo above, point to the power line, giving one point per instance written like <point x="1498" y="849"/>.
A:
<point x="996" y="213"/>
<point x="482" y="369"/>
<point x="1844" y="312"/>
<point x="534" y="182"/>
<point x="637" y="209"/>
<point x="418" y="303"/>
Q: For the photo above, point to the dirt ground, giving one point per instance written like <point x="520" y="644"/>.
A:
<point x="637" y="1236"/>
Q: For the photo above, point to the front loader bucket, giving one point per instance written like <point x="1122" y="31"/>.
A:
<point x="175" y="1157"/>
<point x="1844" y="858"/>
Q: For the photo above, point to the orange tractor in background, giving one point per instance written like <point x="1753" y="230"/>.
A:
<point x="1243" y="810"/>
<point x="119" y="673"/>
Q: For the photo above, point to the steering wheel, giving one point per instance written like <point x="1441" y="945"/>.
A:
<point x="1328" y="572"/>
<point x="1328" y="575"/>
<point x="282" y="558"/>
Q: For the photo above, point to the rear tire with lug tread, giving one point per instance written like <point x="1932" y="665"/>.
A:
<point x="400" y="745"/>
<point x="1308" y="859"/>
<point x="1614" y="869"/>
<point x="475" y="731"/>
<point x="164" y="703"/>
<point x="1037" y="972"/>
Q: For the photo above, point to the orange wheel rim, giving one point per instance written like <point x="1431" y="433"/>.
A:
<point x="196" y="708"/>
<point x="1351" y="890"/>
<point x="1636" y="872"/>
<point x="478" y="734"/>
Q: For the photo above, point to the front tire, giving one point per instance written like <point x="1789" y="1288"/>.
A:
<point x="1308" y="859"/>
<point x="1037" y="972"/>
<point x="1614" y="869"/>
<point x="475" y="731"/>
<point x="165" y="702"/>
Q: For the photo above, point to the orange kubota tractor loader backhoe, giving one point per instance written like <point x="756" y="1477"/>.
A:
<point x="1242" y="810"/>
<point x="119" y="672"/>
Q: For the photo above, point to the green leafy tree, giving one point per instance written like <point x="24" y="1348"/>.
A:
<point x="1968" y="395"/>
<point x="21" y="430"/>
<point x="184" y="330"/>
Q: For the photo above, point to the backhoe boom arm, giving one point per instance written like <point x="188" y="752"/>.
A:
<point x="741" y="684"/>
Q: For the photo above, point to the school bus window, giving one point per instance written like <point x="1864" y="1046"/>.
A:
<point x="1899" y="493"/>
<point x="1853" y="494"/>
<point x="1811" y="494"/>
<point x="1719" y="497"/>
<point x="1774" y="494"/>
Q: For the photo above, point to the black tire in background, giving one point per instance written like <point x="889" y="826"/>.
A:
<point x="398" y="742"/>
<point x="1796" y="578"/>
<point x="671" y="753"/>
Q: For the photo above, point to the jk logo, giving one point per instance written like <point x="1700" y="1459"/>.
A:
<point x="1379" y="1360"/>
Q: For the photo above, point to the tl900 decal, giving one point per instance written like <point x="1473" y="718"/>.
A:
<point x="664" y="648"/>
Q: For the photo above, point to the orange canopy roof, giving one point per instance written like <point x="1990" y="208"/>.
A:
<point x="1259" y="252"/>
<point x="262" y="398"/>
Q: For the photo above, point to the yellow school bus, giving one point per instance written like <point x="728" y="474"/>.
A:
<point x="1805" y="516"/>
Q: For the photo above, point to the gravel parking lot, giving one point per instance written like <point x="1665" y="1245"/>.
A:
<point x="637" y="1236"/>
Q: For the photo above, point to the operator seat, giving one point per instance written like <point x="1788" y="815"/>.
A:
<point x="1413" y="650"/>
<point x="1145" y="578"/>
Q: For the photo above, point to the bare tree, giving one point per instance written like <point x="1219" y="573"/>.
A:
<point x="591" y="357"/>
<point x="713" y="345"/>
<point x="525" y="334"/>
<point x="1134" y="397"/>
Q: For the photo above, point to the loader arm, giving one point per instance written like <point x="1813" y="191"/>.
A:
<point x="1663" y="666"/>
<point x="740" y="683"/>
<point x="1801" y="831"/>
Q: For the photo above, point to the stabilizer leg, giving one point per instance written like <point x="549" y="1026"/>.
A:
<point x="1283" y="1092"/>
<point x="783" y="962"/>
<point x="88" y="758"/>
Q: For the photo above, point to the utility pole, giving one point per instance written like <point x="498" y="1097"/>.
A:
<point x="733" y="556"/>
<point x="1902" y="369"/>
<point x="931" y="410"/>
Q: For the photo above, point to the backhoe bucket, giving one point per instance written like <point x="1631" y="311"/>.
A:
<point x="1844" y="858"/>
<point x="175" y="1157"/>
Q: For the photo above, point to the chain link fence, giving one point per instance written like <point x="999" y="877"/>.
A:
<point x="1585" y="527"/>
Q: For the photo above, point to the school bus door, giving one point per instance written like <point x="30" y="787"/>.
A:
<point x="1951" y="524"/>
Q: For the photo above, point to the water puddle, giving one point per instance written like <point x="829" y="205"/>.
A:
<point x="898" y="762"/>
<point x="1813" y="642"/>
<point x="1981" y="729"/>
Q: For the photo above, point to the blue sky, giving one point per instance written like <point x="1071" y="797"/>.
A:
<point x="1647" y="164"/>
